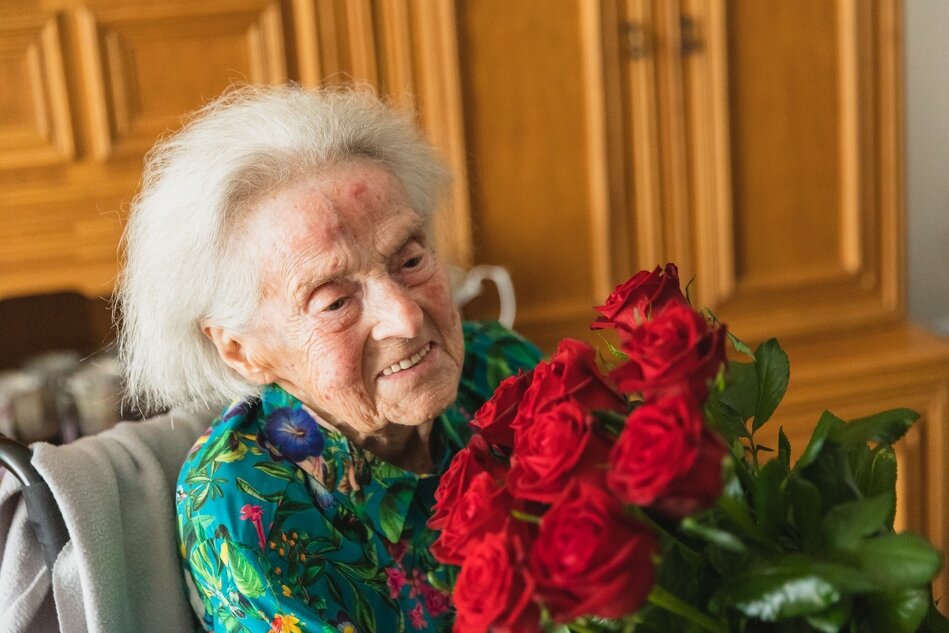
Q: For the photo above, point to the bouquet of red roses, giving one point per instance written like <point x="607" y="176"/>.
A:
<point x="634" y="498"/>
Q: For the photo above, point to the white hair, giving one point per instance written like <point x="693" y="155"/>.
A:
<point x="182" y="260"/>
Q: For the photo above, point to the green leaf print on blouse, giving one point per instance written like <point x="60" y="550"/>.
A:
<point x="246" y="578"/>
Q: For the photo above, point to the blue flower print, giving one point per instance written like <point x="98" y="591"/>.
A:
<point x="295" y="434"/>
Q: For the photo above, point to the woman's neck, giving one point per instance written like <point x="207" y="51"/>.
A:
<point x="404" y="446"/>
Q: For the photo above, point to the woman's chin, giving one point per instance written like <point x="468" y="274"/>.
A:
<point x="417" y="411"/>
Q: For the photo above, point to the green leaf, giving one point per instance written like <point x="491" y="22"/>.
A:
<point x="200" y="498"/>
<point x="220" y="444"/>
<point x="275" y="470"/>
<point x="232" y="624"/>
<point x="365" y="616"/>
<point x="390" y="518"/>
<point x="833" y="619"/>
<point x="247" y="578"/>
<point x="202" y="565"/>
<point x="739" y="345"/>
<point x="806" y="508"/>
<point x="333" y="587"/>
<point x="740" y="397"/>
<point x="688" y="290"/>
<point x="899" y="611"/>
<point x="935" y="621"/>
<point x="313" y="571"/>
<point x="786" y="589"/>
<point x="615" y="351"/>
<point x="898" y="561"/>
<point x="769" y="508"/>
<point x="249" y="489"/>
<point x="827" y="423"/>
<point x="881" y="473"/>
<point x="738" y="513"/>
<point x="784" y="449"/>
<point x="885" y="428"/>
<point x="229" y="456"/>
<point x="722" y="538"/>
<point x="847" y="523"/>
<point x="773" y="372"/>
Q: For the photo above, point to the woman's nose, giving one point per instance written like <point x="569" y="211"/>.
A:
<point x="395" y="311"/>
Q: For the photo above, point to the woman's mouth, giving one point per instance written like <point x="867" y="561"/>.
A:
<point x="408" y="363"/>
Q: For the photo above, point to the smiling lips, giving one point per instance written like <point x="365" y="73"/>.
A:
<point x="408" y="363"/>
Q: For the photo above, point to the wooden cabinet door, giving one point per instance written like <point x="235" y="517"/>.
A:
<point x="88" y="87"/>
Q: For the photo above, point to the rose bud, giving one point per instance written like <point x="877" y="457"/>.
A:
<point x="634" y="300"/>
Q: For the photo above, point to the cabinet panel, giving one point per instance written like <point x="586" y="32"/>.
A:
<point x="803" y="203"/>
<point x="133" y="63"/>
<point x="36" y="128"/>
<point x="61" y="238"/>
<point x="534" y="137"/>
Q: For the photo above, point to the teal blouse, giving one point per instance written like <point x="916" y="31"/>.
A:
<point x="336" y="541"/>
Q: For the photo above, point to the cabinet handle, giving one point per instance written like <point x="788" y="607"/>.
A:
<point x="689" y="35"/>
<point x="634" y="40"/>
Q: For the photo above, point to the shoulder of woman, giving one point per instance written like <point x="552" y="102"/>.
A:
<point x="230" y="484"/>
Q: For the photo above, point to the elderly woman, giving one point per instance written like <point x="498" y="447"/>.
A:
<point x="280" y="257"/>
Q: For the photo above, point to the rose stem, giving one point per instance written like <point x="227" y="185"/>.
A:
<point x="661" y="598"/>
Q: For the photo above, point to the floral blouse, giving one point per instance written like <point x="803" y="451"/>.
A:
<point x="279" y="539"/>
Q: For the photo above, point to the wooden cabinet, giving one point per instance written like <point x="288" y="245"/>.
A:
<point x="89" y="85"/>
<point x="757" y="144"/>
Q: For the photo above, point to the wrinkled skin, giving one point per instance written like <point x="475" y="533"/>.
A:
<point x="350" y="286"/>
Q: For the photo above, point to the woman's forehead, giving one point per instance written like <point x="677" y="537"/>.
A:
<point x="321" y="226"/>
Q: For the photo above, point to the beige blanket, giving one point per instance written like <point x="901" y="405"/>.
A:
<point x="120" y="570"/>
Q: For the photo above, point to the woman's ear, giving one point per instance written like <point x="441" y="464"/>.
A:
<point x="233" y="351"/>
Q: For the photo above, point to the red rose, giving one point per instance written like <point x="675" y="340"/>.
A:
<point x="494" y="591"/>
<point x="495" y="416"/>
<point x="590" y="558"/>
<point x="667" y="458"/>
<point x="467" y="464"/>
<point x="678" y="351"/>
<point x="557" y="446"/>
<point x="633" y="301"/>
<point x="571" y="373"/>
<point x="484" y="507"/>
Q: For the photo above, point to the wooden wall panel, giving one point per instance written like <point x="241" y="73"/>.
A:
<point x="538" y="200"/>
<point x="800" y="224"/>
<point x="35" y="128"/>
<point x="133" y="61"/>
<point x="61" y="238"/>
<point x="337" y="41"/>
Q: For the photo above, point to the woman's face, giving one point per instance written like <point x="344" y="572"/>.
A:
<point x="356" y="316"/>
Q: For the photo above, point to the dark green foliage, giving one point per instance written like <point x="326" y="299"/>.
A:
<point x="802" y="547"/>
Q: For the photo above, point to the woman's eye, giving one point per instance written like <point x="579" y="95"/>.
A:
<point x="413" y="262"/>
<point x="336" y="305"/>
